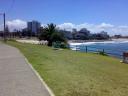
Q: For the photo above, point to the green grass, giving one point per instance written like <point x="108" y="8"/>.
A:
<point x="70" y="73"/>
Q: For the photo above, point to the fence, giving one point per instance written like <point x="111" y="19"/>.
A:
<point x="111" y="52"/>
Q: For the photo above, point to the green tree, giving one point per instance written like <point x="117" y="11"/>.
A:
<point x="57" y="36"/>
<point x="50" y="34"/>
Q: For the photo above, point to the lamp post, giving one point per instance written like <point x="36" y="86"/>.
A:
<point x="4" y="33"/>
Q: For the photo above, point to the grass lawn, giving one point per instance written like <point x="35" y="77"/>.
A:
<point x="70" y="73"/>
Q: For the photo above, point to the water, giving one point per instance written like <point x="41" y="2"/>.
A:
<point x="113" y="48"/>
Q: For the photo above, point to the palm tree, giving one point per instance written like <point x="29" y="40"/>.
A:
<point x="50" y="34"/>
<point x="50" y="29"/>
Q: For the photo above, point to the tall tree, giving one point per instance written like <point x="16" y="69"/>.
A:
<point x="50" y="34"/>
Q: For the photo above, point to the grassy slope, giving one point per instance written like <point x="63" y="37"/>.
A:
<point x="70" y="73"/>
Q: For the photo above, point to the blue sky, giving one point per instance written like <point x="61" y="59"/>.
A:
<point x="97" y="12"/>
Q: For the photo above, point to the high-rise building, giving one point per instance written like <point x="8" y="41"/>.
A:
<point x="33" y="26"/>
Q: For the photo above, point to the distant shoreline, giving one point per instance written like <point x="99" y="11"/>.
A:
<point x="84" y="41"/>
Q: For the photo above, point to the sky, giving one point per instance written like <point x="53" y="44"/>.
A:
<point x="95" y="15"/>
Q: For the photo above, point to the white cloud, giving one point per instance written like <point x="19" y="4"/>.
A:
<point x="111" y="29"/>
<point x="105" y="25"/>
<point x="94" y="28"/>
<point x="66" y="26"/>
<point x="15" y="24"/>
<point x="91" y="27"/>
<point x="43" y="25"/>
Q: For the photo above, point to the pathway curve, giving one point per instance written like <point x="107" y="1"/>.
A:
<point x="16" y="76"/>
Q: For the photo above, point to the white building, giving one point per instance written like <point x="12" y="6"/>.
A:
<point x="33" y="26"/>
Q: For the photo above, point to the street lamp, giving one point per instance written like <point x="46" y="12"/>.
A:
<point x="4" y="33"/>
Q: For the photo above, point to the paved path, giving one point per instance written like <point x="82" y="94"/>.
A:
<point x="16" y="76"/>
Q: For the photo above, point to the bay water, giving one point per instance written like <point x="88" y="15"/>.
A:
<point x="112" y="48"/>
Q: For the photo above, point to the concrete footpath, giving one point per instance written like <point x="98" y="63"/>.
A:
<point x="16" y="76"/>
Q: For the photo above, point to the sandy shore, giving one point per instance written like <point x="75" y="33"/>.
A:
<point x="84" y="41"/>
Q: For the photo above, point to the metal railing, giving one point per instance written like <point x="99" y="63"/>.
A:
<point x="111" y="52"/>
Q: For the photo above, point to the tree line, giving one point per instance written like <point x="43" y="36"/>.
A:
<point x="53" y="34"/>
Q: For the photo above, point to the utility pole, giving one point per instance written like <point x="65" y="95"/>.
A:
<point x="4" y="27"/>
<point x="4" y="33"/>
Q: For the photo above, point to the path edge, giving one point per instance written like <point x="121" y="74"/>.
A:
<point x="36" y="73"/>
<point x="41" y="79"/>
